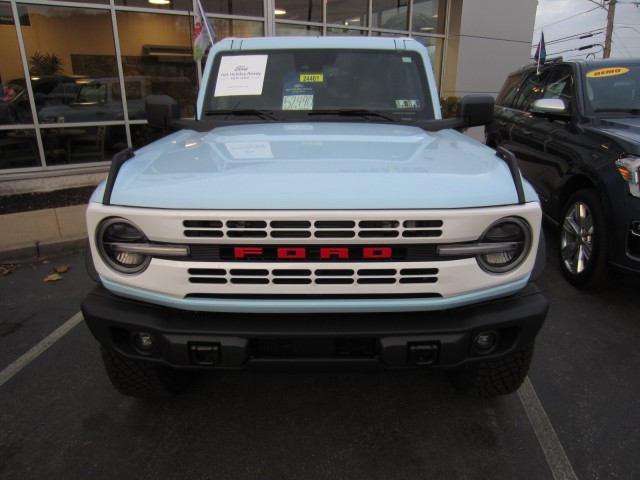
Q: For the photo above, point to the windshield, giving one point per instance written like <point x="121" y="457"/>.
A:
<point x="613" y="89"/>
<point x="296" y="83"/>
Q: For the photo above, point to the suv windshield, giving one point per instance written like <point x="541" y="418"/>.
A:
<point x="389" y="85"/>
<point x="613" y="89"/>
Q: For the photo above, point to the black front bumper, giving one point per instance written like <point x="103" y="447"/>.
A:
<point x="194" y="340"/>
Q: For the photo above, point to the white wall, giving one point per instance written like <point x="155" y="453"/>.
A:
<point x="488" y="39"/>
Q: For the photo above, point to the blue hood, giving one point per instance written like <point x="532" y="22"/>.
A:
<point x="319" y="166"/>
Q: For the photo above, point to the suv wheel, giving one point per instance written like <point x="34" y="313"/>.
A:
<point x="583" y="240"/>
<point x="141" y="379"/>
<point x="491" y="378"/>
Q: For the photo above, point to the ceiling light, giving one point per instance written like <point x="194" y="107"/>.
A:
<point x="159" y="2"/>
<point x="280" y="11"/>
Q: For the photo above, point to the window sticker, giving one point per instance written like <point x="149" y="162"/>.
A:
<point x="607" y="72"/>
<point x="407" y="103"/>
<point x="241" y="75"/>
<point x="249" y="150"/>
<point x="311" y="78"/>
<point x="296" y="94"/>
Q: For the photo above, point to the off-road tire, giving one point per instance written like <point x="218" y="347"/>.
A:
<point x="494" y="377"/>
<point x="141" y="379"/>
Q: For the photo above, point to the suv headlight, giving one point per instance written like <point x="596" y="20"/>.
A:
<point x="629" y="168"/>
<point x="114" y="239"/>
<point x="509" y="240"/>
<point x="500" y="249"/>
<point x="125" y="248"/>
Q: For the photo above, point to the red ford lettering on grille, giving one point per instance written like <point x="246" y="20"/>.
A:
<point x="242" y="252"/>
<point x="376" y="252"/>
<point x="313" y="253"/>
<point x="289" y="253"/>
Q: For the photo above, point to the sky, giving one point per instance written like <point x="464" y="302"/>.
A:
<point x="562" y="21"/>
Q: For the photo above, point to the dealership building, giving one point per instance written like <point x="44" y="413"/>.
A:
<point x="76" y="73"/>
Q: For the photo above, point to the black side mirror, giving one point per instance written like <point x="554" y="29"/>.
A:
<point x="161" y="110"/>
<point x="476" y="109"/>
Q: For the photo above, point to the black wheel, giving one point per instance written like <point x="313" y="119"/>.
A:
<point x="583" y="240"/>
<point x="141" y="379"/>
<point x="491" y="378"/>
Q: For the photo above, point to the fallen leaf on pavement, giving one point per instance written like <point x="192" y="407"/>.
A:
<point x="6" y="269"/>
<point x="61" y="268"/>
<point x="54" y="277"/>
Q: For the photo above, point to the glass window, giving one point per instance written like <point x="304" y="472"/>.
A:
<point x="287" y="30"/>
<point x="509" y="91"/>
<point x="237" y="28"/>
<point x="345" y="32"/>
<point x="157" y="58"/>
<point x="428" y="16"/>
<point x="309" y="11"/>
<point x="251" y="8"/>
<point x="348" y="12"/>
<point x="613" y="89"/>
<point x="62" y="64"/>
<point x="560" y="86"/>
<point x="18" y="147"/>
<point x="294" y="82"/>
<point x="530" y="91"/>
<point x="390" y="14"/>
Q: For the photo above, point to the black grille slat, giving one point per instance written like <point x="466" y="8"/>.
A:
<point x="334" y="273"/>
<point x="286" y="224"/>
<point x="208" y="280"/>
<point x="377" y="272"/>
<point x="378" y="234"/>
<point x="207" y="271"/>
<point x="250" y="272"/>
<point x="387" y="228"/>
<point x="418" y="280"/>
<point x="334" y="281"/>
<point x="291" y="273"/>
<point x="292" y="281"/>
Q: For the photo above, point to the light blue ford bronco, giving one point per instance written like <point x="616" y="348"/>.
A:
<point x="317" y="212"/>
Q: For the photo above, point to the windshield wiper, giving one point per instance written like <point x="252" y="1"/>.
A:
<point x="245" y="112"/>
<point x="634" y="111"/>
<point x="352" y="113"/>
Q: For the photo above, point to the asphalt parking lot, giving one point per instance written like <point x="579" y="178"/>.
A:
<point x="576" y="416"/>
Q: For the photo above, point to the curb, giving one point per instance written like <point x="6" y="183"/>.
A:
<point x="53" y="248"/>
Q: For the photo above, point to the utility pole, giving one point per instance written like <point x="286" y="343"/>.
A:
<point x="609" y="32"/>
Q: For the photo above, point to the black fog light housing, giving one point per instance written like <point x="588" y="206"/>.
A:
<point x="144" y="342"/>
<point x="485" y="342"/>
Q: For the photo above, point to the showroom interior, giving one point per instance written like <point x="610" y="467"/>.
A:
<point x="75" y="73"/>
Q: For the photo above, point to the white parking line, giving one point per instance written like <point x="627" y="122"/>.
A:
<point x="32" y="354"/>
<point x="556" y="457"/>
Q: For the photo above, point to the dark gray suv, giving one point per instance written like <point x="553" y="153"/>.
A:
<point x="574" y="127"/>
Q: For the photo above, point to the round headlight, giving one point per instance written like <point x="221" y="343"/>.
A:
<point x="113" y="237"/>
<point x="511" y="239"/>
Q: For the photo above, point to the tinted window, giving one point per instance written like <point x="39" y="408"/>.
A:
<point x="560" y="85"/>
<point x="530" y="91"/>
<point x="612" y="88"/>
<point x="509" y="91"/>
